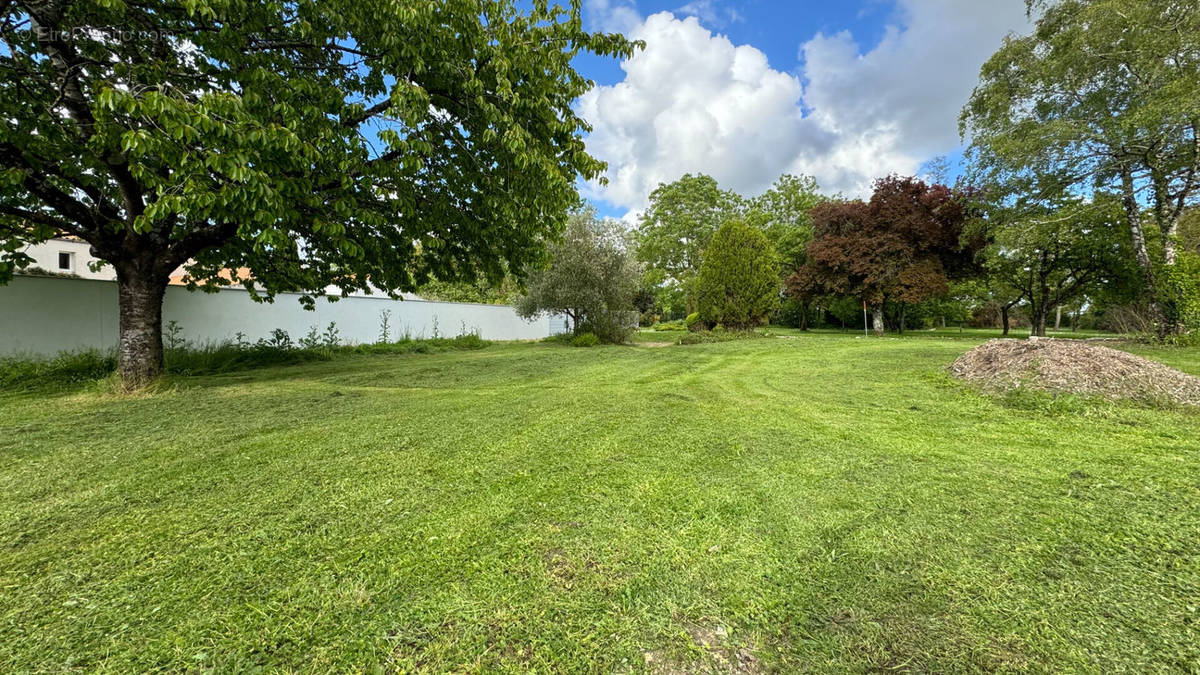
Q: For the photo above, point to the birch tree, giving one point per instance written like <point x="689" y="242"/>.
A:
<point x="1105" y="94"/>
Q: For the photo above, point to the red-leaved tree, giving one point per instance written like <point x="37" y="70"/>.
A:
<point x="905" y="245"/>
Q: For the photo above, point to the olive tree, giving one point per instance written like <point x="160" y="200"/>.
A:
<point x="591" y="277"/>
<point x="314" y="143"/>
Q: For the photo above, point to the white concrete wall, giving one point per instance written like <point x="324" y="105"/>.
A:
<point x="44" y="316"/>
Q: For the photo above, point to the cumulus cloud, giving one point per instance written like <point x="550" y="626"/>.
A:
<point x="692" y="101"/>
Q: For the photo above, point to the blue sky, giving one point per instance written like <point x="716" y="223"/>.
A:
<point x="776" y="27"/>
<point x="746" y="90"/>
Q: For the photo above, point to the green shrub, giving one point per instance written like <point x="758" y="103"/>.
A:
<point x="738" y="282"/>
<point x="669" y="326"/>
<point x="65" y="369"/>
<point x="1181" y="286"/>
<point x="211" y="359"/>
<point x="612" y="327"/>
<point x="227" y="357"/>
<point x="468" y="341"/>
<point x="711" y="336"/>
<point x="694" y="323"/>
<point x="585" y="340"/>
<point x="408" y="345"/>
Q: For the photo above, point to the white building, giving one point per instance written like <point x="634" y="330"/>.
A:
<point x="73" y="257"/>
<point x="69" y="256"/>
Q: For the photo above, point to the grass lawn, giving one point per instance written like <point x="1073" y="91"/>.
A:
<point x="821" y="503"/>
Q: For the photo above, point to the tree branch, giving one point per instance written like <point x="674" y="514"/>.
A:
<point x="66" y="63"/>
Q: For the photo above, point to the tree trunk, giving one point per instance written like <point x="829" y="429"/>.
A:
<point x="877" y="319"/>
<point x="1167" y="224"/>
<point x="140" y="347"/>
<point x="1133" y="213"/>
<point x="1004" y="318"/>
<point x="1057" y="318"/>
<point x="903" y="308"/>
<point x="1037" y="320"/>
<point x="804" y="315"/>
<point x="1169" y="249"/>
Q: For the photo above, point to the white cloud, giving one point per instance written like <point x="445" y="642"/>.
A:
<point x="692" y="101"/>
<point x="613" y="16"/>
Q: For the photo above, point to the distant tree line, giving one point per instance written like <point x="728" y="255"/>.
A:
<point x="1077" y="207"/>
<point x="1079" y="198"/>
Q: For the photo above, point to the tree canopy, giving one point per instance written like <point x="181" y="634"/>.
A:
<point x="683" y="216"/>
<point x="1103" y="95"/>
<point x="313" y="143"/>
<point x="784" y="214"/>
<point x="1069" y="249"/>
<point x="905" y="245"/>
<point x="676" y="227"/>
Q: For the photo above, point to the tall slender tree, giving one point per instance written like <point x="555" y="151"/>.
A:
<point x="738" y="283"/>
<point x="1105" y="94"/>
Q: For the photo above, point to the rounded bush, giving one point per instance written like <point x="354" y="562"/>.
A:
<point x="585" y="340"/>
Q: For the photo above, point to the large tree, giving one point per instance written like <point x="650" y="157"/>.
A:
<point x="784" y="214"/>
<point x="905" y="245"/>
<point x="676" y="227"/>
<point x="1106" y="95"/>
<point x="313" y="142"/>
<point x="1058" y="254"/>
<point x="591" y="277"/>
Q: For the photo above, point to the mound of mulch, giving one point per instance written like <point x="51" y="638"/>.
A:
<point x="1074" y="367"/>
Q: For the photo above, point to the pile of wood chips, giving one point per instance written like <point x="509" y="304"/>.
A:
<point x="1074" y="367"/>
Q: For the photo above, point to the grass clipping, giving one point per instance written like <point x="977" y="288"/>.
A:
<point x="1074" y="367"/>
